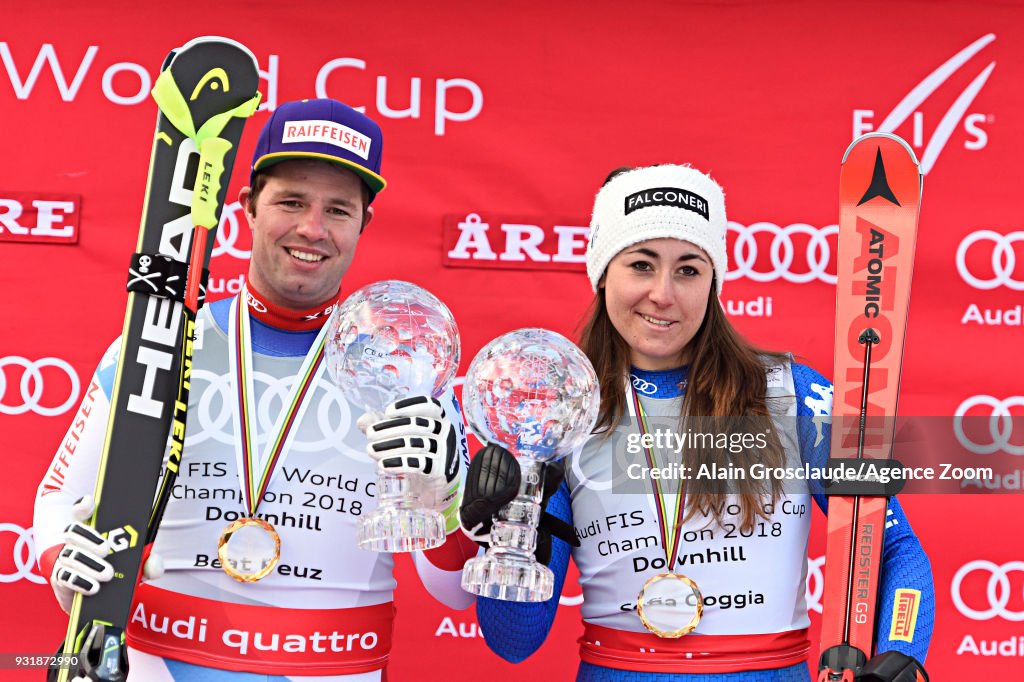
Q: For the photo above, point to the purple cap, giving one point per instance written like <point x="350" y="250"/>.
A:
<point x="322" y="129"/>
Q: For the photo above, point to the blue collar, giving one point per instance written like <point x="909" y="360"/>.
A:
<point x="662" y="384"/>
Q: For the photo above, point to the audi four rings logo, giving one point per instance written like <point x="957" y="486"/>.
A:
<point x="642" y="385"/>
<point x="782" y="249"/>
<point x="1000" y="425"/>
<point x="815" y="583"/>
<point x="1003" y="259"/>
<point x="24" y="556"/>
<point x="998" y="591"/>
<point x="29" y="392"/>
<point x="231" y="227"/>
<point x="254" y="302"/>
<point x="212" y="418"/>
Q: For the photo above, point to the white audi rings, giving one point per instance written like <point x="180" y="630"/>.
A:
<point x="1004" y="260"/>
<point x="781" y="252"/>
<point x="1000" y="424"/>
<point x="24" y="556"/>
<point x="998" y="591"/>
<point x="31" y="388"/>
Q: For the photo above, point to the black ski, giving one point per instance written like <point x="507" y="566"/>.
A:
<point x="205" y="92"/>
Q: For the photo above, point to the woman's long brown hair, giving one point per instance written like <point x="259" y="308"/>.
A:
<point x="727" y="379"/>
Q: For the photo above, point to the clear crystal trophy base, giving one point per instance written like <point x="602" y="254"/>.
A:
<point x="508" y="570"/>
<point x="401" y="529"/>
<point x="508" y="577"/>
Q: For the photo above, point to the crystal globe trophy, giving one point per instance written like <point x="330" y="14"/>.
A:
<point x="387" y="341"/>
<point x="535" y="393"/>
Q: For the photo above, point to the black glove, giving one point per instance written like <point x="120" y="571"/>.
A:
<point x="492" y="482"/>
<point x="892" y="666"/>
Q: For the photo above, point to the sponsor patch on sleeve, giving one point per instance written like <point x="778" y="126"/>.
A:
<point x="904" y="615"/>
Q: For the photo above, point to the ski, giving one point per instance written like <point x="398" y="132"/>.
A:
<point x="204" y="93"/>
<point x="879" y="204"/>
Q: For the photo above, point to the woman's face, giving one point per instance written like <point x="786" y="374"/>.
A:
<point x="656" y="293"/>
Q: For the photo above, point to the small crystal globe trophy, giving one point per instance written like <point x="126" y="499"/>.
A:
<point x="535" y="393"/>
<point x="387" y="341"/>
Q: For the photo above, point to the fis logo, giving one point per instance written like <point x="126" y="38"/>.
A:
<point x="973" y="123"/>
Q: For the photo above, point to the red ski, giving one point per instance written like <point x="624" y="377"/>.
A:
<point x="880" y="196"/>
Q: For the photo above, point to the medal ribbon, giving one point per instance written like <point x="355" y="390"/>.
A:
<point x="670" y="535"/>
<point x="256" y="471"/>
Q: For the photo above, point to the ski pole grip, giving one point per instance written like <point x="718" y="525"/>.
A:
<point x="103" y="656"/>
<point x="212" y="151"/>
<point x="840" y="662"/>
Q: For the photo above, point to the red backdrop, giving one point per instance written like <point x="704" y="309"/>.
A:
<point x="500" y="126"/>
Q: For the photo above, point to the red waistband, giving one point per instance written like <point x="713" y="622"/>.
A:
<point x="269" y="640"/>
<point x="692" y="653"/>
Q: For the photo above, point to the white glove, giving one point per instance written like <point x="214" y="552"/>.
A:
<point x="81" y="565"/>
<point x="414" y="436"/>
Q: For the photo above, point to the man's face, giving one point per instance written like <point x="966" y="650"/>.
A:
<point x="305" y="224"/>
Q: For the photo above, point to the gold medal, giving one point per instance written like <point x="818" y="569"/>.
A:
<point x="249" y="549"/>
<point x="670" y="605"/>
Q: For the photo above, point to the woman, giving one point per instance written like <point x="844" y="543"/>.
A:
<point x="672" y="367"/>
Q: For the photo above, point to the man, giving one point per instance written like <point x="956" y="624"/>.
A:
<point x="325" y="610"/>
